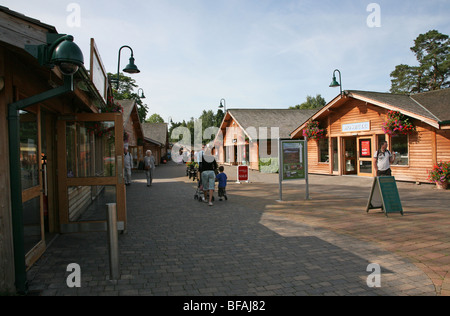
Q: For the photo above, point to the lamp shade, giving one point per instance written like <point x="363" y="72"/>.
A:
<point x="131" y="68"/>
<point x="67" y="56"/>
<point x="334" y="83"/>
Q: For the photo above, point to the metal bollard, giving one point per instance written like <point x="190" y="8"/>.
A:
<point x="113" y="241"/>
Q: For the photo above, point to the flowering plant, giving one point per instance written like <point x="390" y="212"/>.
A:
<point x="397" y="123"/>
<point x="313" y="131"/>
<point x="440" y="173"/>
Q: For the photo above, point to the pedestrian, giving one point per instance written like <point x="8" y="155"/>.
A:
<point x="128" y="165"/>
<point x="222" y="178"/>
<point x="382" y="160"/>
<point x="149" y="166"/>
<point x="208" y="174"/>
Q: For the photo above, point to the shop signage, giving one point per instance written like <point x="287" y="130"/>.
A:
<point x="242" y="173"/>
<point x="385" y="195"/>
<point x="366" y="148"/>
<point x="356" y="127"/>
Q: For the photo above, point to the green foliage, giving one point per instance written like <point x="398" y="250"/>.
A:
<point x="432" y="51"/>
<point x="311" y="103"/>
<point x="155" y="118"/>
<point x="126" y="92"/>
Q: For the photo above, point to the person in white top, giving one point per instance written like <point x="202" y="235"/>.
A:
<point x="382" y="160"/>
<point x="128" y="165"/>
<point x="149" y="165"/>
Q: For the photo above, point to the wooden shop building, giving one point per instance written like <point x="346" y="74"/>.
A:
<point x="60" y="154"/>
<point x="354" y="128"/>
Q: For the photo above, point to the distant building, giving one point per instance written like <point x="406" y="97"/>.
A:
<point x="250" y="135"/>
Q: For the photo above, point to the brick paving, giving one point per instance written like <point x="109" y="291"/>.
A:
<point x="254" y="245"/>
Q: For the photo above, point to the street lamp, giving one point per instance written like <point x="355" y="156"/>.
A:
<point x="223" y="105"/>
<point x="131" y="68"/>
<point x="142" y="96"/>
<point x="334" y="83"/>
<point x="59" y="51"/>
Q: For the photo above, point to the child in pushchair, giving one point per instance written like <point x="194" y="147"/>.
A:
<point x="200" y="193"/>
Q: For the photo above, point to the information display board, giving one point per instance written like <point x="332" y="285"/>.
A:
<point x="385" y="195"/>
<point x="293" y="160"/>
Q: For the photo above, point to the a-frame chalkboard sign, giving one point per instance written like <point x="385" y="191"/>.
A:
<point x="385" y="192"/>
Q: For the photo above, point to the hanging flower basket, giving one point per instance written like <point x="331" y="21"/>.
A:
<point x="313" y="131"/>
<point x="440" y="175"/>
<point x="398" y="124"/>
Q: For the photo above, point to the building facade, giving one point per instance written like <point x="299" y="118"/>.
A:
<point x="67" y="159"/>
<point x="354" y="129"/>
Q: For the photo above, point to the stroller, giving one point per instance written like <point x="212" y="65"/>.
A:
<point x="199" y="193"/>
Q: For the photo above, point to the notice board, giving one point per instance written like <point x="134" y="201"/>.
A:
<point x="385" y="195"/>
<point x="293" y="160"/>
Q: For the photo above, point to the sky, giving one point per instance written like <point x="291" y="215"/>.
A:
<point x="252" y="53"/>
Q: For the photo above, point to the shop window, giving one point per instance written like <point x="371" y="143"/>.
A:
<point x="399" y="145"/>
<point x="324" y="155"/>
<point x="29" y="160"/>
<point x="90" y="149"/>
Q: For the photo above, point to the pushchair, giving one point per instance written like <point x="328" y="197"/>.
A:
<point x="199" y="193"/>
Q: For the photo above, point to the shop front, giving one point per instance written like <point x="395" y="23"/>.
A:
<point x="61" y="159"/>
<point x="354" y="126"/>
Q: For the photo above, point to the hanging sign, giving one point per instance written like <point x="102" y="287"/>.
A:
<point x="385" y="196"/>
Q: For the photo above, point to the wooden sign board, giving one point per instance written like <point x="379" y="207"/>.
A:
<point x="385" y="195"/>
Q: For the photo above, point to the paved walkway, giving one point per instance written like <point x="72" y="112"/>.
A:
<point x="253" y="245"/>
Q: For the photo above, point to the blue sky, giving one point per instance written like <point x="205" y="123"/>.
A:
<point x="253" y="53"/>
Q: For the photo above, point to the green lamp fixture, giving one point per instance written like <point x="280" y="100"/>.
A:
<point x="334" y="83"/>
<point x="131" y="68"/>
<point x="60" y="51"/>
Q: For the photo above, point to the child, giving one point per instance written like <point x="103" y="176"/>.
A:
<point x="222" y="177"/>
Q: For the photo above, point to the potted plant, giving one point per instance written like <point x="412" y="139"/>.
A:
<point x="440" y="175"/>
<point x="313" y="130"/>
<point x="397" y="124"/>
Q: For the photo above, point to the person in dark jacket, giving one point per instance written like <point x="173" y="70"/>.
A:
<point x="208" y="169"/>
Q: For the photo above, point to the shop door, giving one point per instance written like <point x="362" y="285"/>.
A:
<point x="32" y="184"/>
<point x="365" y="151"/>
<point x="350" y="155"/>
<point x="90" y="171"/>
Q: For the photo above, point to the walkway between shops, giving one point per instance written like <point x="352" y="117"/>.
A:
<point x="254" y="245"/>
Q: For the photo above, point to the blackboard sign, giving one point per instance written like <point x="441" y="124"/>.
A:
<point x="385" y="195"/>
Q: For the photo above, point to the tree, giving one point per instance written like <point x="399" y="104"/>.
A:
<point x="432" y="51"/>
<point x="126" y="92"/>
<point x="155" y="118"/>
<point x="311" y="103"/>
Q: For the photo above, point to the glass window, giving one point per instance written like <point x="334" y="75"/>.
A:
<point x="399" y="145"/>
<point x="29" y="160"/>
<point x="90" y="149"/>
<point x="32" y="223"/>
<point x="323" y="150"/>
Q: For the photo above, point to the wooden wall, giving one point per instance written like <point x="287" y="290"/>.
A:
<point x="426" y="147"/>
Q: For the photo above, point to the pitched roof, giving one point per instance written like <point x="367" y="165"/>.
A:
<point x="431" y="107"/>
<point x="156" y="132"/>
<point x="286" y="120"/>
<point x="437" y="102"/>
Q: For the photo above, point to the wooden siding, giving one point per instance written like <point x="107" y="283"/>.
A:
<point x="426" y="147"/>
<point x="443" y="145"/>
